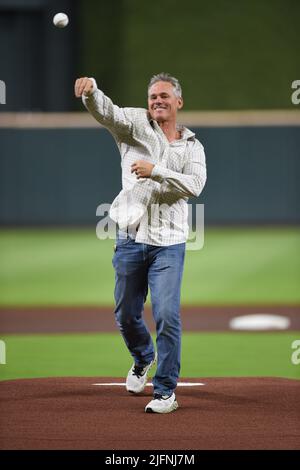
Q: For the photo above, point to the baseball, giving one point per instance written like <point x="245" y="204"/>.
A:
<point x="60" y="20"/>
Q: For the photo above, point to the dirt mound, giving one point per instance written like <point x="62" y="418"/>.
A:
<point x="225" y="413"/>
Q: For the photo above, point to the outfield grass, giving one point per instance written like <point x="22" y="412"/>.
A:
<point x="203" y="355"/>
<point x="73" y="267"/>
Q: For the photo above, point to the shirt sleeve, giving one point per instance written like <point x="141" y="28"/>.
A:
<point x="193" y="177"/>
<point x="115" y="119"/>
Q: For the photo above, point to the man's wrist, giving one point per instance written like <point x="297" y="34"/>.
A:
<point x="158" y="173"/>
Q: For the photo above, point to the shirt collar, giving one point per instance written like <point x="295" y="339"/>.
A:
<point x="186" y="134"/>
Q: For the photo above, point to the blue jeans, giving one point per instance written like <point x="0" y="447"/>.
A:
<point x="138" y="265"/>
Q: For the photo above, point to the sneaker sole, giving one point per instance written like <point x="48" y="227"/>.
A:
<point x="134" y="392"/>
<point x="174" y="407"/>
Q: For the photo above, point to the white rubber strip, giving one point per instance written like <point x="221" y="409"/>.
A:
<point x="180" y="384"/>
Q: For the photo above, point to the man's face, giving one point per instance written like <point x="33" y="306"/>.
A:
<point x="163" y="104"/>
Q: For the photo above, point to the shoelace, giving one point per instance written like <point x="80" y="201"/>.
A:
<point x="138" y="371"/>
<point x="157" y="396"/>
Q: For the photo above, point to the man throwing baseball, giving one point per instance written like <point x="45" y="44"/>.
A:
<point x="163" y="164"/>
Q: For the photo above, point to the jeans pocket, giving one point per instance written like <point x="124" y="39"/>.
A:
<point x="122" y="241"/>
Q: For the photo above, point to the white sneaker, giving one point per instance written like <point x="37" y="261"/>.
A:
<point x="162" y="404"/>
<point x="137" y="377"/>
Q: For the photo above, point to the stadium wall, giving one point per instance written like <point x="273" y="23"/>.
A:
<point x="59" y="175"/>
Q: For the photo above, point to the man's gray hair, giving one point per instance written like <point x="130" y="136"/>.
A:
<point x="166" y="77"/>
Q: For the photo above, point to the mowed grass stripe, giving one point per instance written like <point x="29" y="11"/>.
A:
<point x="203" y="355"/>
<point x="73" y="267"/>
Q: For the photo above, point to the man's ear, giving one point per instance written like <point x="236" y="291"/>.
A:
<point x="180" y="103"/>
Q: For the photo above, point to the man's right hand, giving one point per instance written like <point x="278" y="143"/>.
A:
<point x="83" y="86"/>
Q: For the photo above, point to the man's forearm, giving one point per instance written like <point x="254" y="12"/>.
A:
<point x="105" y="112"/>
<point x="187" y="185"/>
<point x="95" y="105"/>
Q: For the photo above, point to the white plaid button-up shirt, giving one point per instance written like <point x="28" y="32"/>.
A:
<point x="157" y="205"/>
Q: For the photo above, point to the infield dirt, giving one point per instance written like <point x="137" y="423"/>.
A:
<point x="225" y="413"/>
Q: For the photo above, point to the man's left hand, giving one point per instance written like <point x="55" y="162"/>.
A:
<point x="142" y="169"/>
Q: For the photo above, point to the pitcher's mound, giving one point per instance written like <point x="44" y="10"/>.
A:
<point x="224" y="413"/>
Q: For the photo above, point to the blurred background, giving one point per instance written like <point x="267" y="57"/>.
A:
<point x="231" y="57"/>
<point x="227" y="54"/>
<point x="236" y="62"/>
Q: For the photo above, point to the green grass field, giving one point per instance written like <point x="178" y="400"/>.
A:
<point x="203" y="355"/>
<point x="246" y="266"/>
<point x="72" y="267"/>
